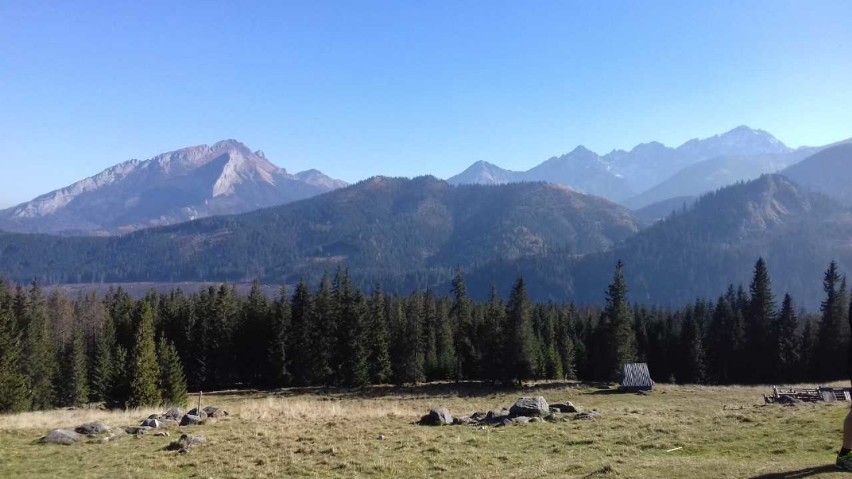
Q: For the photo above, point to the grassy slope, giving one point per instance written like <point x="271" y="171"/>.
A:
<point x="724" y="432"/>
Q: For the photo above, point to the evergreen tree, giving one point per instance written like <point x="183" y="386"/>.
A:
<point x="278" y="349"/>
<point x="413" y="362"/>
<point x="830" y="362"/>
<point x="256" y="337"/>
<point x="102" y="371"/>
<point x="464" y="331"/>
<point x="301" y="344"/>
<point x="40" y="357"/>
<point x="323" y="326"/>
<point x="493" y="365"/>
<point x="172" y="378"/>
<point x="519" y="337"/>
<point x="144" y="370"/>
<point x="75" y="391"/>
<point x="760" y="349"/>
<point x="618" y="337"/>
<point x="788" y="347"/>
<point x="13" y="384"/>
<point x="378" y="358"/>
<point x="118" y="392"/>
<point x="692" y="355"/>
<point x="351" y="359"/>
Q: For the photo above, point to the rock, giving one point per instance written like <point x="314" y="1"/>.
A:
<point x="506" y="421"/>
<point x="196" y="412"/>
<point x="536" y="419"/>
<point x="152" y="423"/>
<point x="191" y="420"/>
<point x="215" y="412"/>
<point x="138" y="430"/>
<point x="174" y="414"/>
<point x="437" y="417"/>
<point x="521" y="419"/>
<point x="566" y="406"/>
<point x="92" y="428"/>
<point x="170" y="422"/>
<point x="530" y="406"/>
<point x="61" y="436"/>
<point x="593" y="415"/>
<point x="381" y="437"/>
<point x="154" y="416"/>
<point x="496" y="415"/>
<point x="479" y="416"/>
<point x="463" y="420"/>
<point x="185" y="443"/>
<point x="162" y="434"/>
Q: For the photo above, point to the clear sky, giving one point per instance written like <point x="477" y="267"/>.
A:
<point x="406" y="88"/>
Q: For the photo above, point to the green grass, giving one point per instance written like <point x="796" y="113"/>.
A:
<point x="723" y="432"/>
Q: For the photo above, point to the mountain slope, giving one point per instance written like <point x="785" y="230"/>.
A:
<point x="405" y="232"/>
<point x="697" y="253"/>
<point x="484" y="173"/>
<point x="827" y="171"/>
<point x="582" y="170"/>
<point x="177" y="186"/>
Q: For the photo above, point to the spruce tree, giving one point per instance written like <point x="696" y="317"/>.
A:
<point x="40" y="357"/>
<point x="759" y="318"/>
<point x="494" y="364"/>
<point x="519" y="336"/>
<point x="102" y="369"/>
<point x="323" y="332"/>
<point x="351" y="368"/>
<point x="301" y="339"/>
<point x="279" y="342"/>
<point x="75" y="391"/>
<point x="691" y="362"/>
<point x="413" y="362"/>
<point x="144" y="370"/>
<point x="619" y="338"/>
<point x="377" y="337"/>
<point x="464" y="331"/>
<point x="118" y="392"/>
<point x="830" y="360"/>
<point x="788" y="347"/>
<point x="172" y="377"/>
<point x="14" y="396"/>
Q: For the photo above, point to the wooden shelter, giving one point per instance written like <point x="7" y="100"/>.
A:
<point x="635" y="377"/>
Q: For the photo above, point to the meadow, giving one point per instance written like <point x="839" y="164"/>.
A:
<point x="676" y="431"/>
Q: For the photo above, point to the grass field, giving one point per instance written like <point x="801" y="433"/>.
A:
<point x="723" y="432"/>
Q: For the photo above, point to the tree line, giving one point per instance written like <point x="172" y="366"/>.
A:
<point x="61" y="351"/>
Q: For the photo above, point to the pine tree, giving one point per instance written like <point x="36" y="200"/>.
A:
<point x="39" y="359"/>
<point x="323" y="331"/>
<point x="103" y="366"/>
<point x="172" y="378"/>
<point x="788" y="347"/>
<point x="255" y="338"/>
<point x="75" y="375"/>
<point x="144" y="370"/>
<point x="377" y="336"/>
<point x="692" y="352"/>
<point x="830" y="362"/>
<point x="493" y="365"/>
<point x="759" y="317"/>
<point x="351" y="367"/>
<point x="13" y="384"/>
<point x="413" y="363"/>
<point x="279" y="342"/>
<point x="619" y="338"/>
<point x="519" y="336"/>
<point x="118" y="392"/>
<point x="301" y="344"/>
<point x="464" y="331"/>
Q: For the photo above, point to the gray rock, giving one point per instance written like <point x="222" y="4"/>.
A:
<point x="92" y="428"/>
<point x="536" y="419"/>
<point x="463" y="420"/>
<point x="479" y="416"/>
<point x="138" y="430"/>
<point x="170" y="422"/>
<point x="566" y="406"/>
<point x="191" y="420"/>
<point x="61" y="436"/>
<point x="506" y="421"/>
<point x="521" y="420"/>
<point x="590" y="415"/>
<point x="185" y="443"/>
<point x="496" y="415"/>
<point x="215" y="412"/>
<point x="174" y="413"/>
<point x="530" y="407"/>
<point x="152" y="423"/>
<point x="196" y="412"/>
<point x="437" y="417"/>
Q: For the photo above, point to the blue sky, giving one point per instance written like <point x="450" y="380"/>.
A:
<point x="406" y="88"/>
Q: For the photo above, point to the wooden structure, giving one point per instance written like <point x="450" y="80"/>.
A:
<point x="636" y="377"/>
<point x="821" y="393"/>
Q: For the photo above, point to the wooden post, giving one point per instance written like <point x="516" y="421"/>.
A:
<point x="198" y="409"/>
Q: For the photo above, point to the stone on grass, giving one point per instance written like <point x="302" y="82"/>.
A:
<point x="463" y="420"/>
<point x="536" y="419"/>
<point x="479" y="416"/>
<point x="191" y="420"/>
<point x="437" y="417"/>
<point x="521" y="420"/>
<point x="196" y="412"/>
<point x="530" y="406"/>
<point x="588" y="415"/>
<point x="497" y="415"/>
<point x="152" y="423"/>
<point x="92" y="428"/>
<point x="185" y="443"/>
<point x="61" y="436"/>
<point x="138" y="430"/>
<point x="566" y="406"/>
<point x="215" y="412"/>
<point x="174" y="414"/>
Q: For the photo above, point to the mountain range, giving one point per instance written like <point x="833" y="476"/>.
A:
<point x="195" y="182"/>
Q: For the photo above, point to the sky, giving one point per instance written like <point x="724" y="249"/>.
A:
<point x="358" y="89"/>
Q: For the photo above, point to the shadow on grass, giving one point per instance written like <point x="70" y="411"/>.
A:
<point x="806" y="472"/>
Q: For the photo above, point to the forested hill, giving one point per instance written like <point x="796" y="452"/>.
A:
<point x="405" y="233"/>
<point x="700" y="251"/>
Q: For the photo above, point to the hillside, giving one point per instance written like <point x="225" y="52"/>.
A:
<point x="404" y="232"/>
<point x="700" y="251"/>
<point x="827" y="172"/>
<point x="190" y="183"/>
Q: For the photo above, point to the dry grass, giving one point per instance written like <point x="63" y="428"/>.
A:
<point x="723" y="432"/>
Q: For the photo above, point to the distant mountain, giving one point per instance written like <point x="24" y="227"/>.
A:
<point x="827" y="171"/>
<point x="620" y="175"/>
<point x="662" y="209"/>
<point x="697" y="253"/>
<point x="484" y="173"/>
<point x="224" y="178"/>
<point x="403" y="233"/>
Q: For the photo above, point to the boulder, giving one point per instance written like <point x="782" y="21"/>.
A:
<point x="437" y="417"/>
<point x="174" y="414"/>
<point x="185" y="443"/>
<point x="536" y="419"/>
<point x="479" y="416"/>
<point x="463" y="420"/>
<point x="530" y="407"/>
<point x="590" y="415"/>
<point x="521" y="419"/>
<point x="496" y="415"/>
<point x="92" y="428"/>
<point x="152" y="423"/>
<point x="170" y="422"/>
<point x="192" y="420"/>
<point x="566" y="406"/>
<point x="61" y="436"/>
<point x="216" y="412"/>
<point x="196" y="412"/>
<point x="138" y="430"/>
